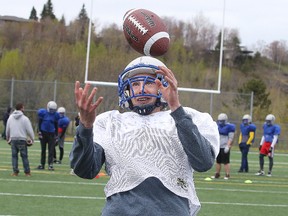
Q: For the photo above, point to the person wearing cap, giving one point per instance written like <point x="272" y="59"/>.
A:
<point x="271" y="132"/>
<point x="48" y="133"/>
<point x="150" y="152"/>
<point x="63" y="124"/>
<point x="246" y="139"/>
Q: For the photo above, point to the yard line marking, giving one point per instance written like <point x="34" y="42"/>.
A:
<point x="53" y="182"/>
<point x="52" y="196"/>
<point x="103" y="184"/>
<point x="246" y="204"/>
<point x="240" y="190"/>
<point x="103" y="198"/>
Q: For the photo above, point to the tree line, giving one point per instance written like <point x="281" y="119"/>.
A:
<point x="47" y="48"/>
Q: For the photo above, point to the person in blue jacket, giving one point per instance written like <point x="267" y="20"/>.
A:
<point x="149" y="152"/>
<point x="227" y="132"/>
<point x="63" y="124"/>
<point x="48" y="133"/>
<point x="271" y="132"/>
<point x="246" y="139"/>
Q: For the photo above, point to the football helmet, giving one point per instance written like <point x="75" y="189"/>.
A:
<point x="270" y="119"/>
<point x="51" y="106"/>
<point x="61" y="111"/>
<point x="246" y="119"/>
<point x="147" y="65"/>
<point x="222" y="119"/>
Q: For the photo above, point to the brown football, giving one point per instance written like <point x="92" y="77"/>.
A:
<point x="146" y="32"/>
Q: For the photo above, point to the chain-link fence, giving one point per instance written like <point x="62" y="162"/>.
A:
<point x="36" y="94"/>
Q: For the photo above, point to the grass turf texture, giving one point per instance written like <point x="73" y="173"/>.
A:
<point x="59" y="193"/>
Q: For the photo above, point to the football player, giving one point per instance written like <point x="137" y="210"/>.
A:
<point x="150" y="153"/>
<point x="227" y="132"/>
<point x="63" y="124"/>
<point x="271" y="132"/>
<point x="246" y="139"/>
<point x="48" y="133"/>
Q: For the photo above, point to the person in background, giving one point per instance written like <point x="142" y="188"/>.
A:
<point x="227" y="132"/>
<point x="150" y="153"/>
<point x="48" y="133"/>
<point x="5" y="119"/>
<point x="271" y="132"/>
<point x="63" y="124"/>
<point x="77" y="120"/>
<point x="76" y="123"/>
<point x="246" y="139"/>
<point x="19" y="132"/>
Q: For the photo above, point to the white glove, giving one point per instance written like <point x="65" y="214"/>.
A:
<point x="226" y="149"/>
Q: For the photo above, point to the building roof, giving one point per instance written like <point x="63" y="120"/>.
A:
<point x="13" y="19"/>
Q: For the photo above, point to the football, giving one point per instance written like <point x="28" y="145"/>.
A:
<point x="146" y="32"/>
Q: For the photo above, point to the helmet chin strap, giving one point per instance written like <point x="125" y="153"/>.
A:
<point x="145" y="109"/>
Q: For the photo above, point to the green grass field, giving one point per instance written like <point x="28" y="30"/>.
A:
<point x="59" y="193"/>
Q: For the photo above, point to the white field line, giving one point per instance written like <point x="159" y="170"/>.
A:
<point x="247" y="204"/>
<point x="103" y="184"/>
<point x="51" y="196"/>
<point x="244" y="191"/>
<point x="103" y="198"/>
<point x="53" y="182"/>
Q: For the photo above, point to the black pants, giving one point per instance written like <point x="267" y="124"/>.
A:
<point x="47" y="138"/>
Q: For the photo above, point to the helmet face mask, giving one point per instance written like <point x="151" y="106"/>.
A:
<point x="143" y="65"/>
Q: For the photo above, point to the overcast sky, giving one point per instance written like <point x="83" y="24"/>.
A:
<point x="256" y="20"/>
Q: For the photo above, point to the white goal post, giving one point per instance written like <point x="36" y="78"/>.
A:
<point x="102" y="83"/>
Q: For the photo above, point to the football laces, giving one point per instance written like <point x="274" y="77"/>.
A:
<point x="138" y="25"/>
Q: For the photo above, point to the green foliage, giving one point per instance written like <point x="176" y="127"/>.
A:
<point x="261" y="98"/>
<point x="12" y="64"/>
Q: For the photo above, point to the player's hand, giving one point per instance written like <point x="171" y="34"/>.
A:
<point x="86" y="106"/>
<point x="270" y="149"/>
<point x="40" y="136"/>
<point x="226" y="149"/>
<point x="260" y="146"/>
<point x="29" y="142"/>
<point x="169" y="93"/>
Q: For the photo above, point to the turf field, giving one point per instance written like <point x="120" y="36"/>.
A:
<point x="60" y="193"/>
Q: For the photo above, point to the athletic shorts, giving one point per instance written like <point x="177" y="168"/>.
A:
<point x="223" y="158"/>
<point x="265" y="149"/>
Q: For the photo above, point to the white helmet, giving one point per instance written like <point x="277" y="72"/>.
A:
<point x="51" y="106"/>
<point x="61" y="110"/>
<point x="247" y="117"/>
<point x="141" y="65"/>
<point x="222" y="119"/>
<point x="270" y="119"/>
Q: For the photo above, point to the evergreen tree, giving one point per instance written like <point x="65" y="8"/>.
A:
<point x="47" y="11"/>
<point x="63" y="20"/>
<point x="261" y="98"/>
<point x="83" y="14"/>
<point x="33" y="14"/>
<point x="44" y="13"/>
<point x="83" y="21"/>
